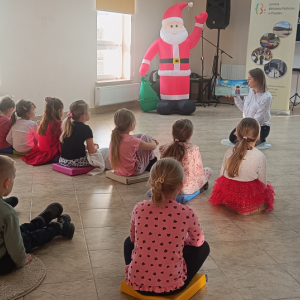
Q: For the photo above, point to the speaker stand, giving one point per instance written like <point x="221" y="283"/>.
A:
<point x="296" y="94"/>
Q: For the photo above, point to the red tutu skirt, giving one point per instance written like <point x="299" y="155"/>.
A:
<point x="244" y="197"/>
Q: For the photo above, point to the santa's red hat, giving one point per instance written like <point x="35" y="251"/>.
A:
<point x="174" y="13"/>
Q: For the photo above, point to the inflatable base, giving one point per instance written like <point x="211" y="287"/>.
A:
<point x="169" y="107"/>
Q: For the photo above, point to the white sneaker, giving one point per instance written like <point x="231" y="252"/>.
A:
<point x="227" y="143"/>
<point x="263" y="146"/>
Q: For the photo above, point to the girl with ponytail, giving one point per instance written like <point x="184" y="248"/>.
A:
<point x="243" y="185"/>
<point x="195" y="176"/>
<point x="74" y="135"/>
<point x="128" y="154"/>
<point x="166" y="247"/>
<point x="23" y="132"/>
<point x="49" y="131"/>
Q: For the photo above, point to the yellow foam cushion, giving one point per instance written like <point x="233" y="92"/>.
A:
<point x="128" y="180"/>
<point x="197" y="283"/>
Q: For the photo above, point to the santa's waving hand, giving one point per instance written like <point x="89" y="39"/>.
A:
<point x="174" y="47"/>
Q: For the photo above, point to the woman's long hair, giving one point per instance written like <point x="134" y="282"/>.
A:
<point x="260" y="77"/>
<point x="165" y="177"/>
<point x="247" y="132"/>
<point x="123" y="119"/>
<point x="77" y="109"/>
<point x="181" y="131"/>
<point x="23" y="107"/>
<point x="51" y="113"/>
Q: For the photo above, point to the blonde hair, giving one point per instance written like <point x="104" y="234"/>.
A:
<point x="165" y="177"/>
<point x="182" y="130"/>
<point x="7" y="168"/>
<point x="247" y="132"/>
<point x="123" y="119"/>
<point x="77" y="109"/>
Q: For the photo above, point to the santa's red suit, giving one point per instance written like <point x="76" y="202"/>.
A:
<point x="174" y="68"/>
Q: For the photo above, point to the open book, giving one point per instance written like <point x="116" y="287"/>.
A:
<point x="231" y="87"/>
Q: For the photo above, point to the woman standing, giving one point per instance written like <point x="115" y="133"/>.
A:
<point x="256" y="105"/>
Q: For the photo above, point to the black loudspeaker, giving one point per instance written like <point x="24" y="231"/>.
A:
<point x="218" y="14"/>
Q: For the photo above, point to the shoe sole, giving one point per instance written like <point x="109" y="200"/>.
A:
<point x="54" y="204"/>
<point x="71" y="232"/>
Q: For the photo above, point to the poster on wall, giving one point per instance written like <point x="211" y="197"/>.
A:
<point x="271" y="46"/>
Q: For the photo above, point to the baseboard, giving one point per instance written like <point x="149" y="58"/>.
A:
<point x="281" y="112"/>
<point x="114" y="107"/>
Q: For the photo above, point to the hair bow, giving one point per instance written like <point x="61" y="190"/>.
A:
<point x="70" y="115"/>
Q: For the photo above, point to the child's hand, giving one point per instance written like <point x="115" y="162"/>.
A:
<point x="28" y="259"/>
<point x="156" y="142"/>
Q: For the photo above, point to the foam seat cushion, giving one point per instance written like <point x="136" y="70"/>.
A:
<point x="127" y="180"/>
<point x="183" y="198"/>
<point x="197" y="283"/>
<point x="71" y="171"/>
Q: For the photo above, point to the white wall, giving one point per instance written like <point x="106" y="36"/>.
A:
<point x="234" y="38"/>
<point x="48" y="48"/>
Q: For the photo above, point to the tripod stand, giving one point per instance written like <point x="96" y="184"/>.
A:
<point x="296" y="94"/>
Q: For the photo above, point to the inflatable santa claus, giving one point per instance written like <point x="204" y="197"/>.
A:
<point x="173" y="48"/>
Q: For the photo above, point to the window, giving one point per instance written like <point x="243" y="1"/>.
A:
<point x="113" y="46"/>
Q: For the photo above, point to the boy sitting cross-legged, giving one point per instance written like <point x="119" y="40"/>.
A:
<point x="17" y="241"/>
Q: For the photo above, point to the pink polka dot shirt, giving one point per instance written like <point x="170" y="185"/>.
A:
<point x="159" y="235"/>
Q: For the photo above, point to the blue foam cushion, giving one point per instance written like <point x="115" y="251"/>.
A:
<point x="183" y="198"/>
<point x="7" y="150"/>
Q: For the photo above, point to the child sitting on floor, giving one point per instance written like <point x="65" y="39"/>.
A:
<point x="17" y="241"/>
<point x="195" y="176"/>
<point x="243" y="186"/>
<point x="22" y="135"/>
<point x="166" y="247"/>
<point x="130" y="154"/>
<point x="49" y="132"/>
<point x="74" y="134"/>
<point x="7" y="106"/>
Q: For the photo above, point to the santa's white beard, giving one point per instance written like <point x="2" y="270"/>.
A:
<point x="173" y="39"/>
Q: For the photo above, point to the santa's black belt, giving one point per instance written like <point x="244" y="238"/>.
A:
<point x="175" y="61"/>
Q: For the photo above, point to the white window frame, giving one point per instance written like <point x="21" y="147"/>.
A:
<point x="127" y="42"/>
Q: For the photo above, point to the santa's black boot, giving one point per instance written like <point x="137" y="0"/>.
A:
<point x="166" y="107"/>
<point x="185" y="107"/>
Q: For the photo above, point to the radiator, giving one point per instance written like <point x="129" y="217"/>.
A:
<point x="233" y="72"/>
<point x="105" y="95"/>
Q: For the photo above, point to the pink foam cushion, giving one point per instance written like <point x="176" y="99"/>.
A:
<point x="71" y="171"/>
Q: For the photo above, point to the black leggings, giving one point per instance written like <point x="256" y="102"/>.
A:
<point x="34" y="235"/>
<point x="265" y="131"/>
<point x="194" y="258"/>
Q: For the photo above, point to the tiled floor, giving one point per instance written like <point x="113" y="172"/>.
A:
<point x="253" y="257"/>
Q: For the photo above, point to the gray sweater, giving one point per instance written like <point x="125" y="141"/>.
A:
<point x="10" y="235"/>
